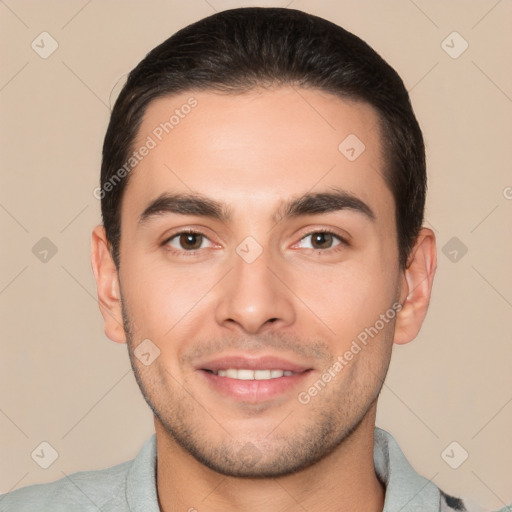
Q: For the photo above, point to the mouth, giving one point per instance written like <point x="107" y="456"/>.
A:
<point x="253" y="380"/>
<point x="247" y="374"/>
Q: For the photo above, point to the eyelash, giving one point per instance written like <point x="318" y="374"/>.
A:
<point x="182" y="252"/>
<point x="343" y="242"/>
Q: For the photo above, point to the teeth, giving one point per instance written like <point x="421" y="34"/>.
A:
<point x="245" y="374"/>
<point x="262" y="374"/>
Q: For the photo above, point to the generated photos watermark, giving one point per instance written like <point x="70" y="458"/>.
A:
<point x="151" y="142"/>
<point x="305" y="397"/>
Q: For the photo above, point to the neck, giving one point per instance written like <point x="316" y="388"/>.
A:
<point x="344" y="480"/>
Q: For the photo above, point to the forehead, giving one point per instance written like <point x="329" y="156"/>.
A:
<point x="260" y="146"/>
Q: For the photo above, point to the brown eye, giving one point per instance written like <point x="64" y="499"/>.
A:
<point x="319" y="240"/>
<point x="187" y="241"/>
<point x="191" y="240"/>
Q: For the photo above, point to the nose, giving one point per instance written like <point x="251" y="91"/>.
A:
<point x="252" y="298"/>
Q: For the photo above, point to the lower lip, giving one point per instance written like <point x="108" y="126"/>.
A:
<point x="254" y="391"/>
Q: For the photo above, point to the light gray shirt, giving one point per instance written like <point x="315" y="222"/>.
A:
<point x="131" y="487"/>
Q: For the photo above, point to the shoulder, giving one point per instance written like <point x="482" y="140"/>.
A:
<point x="406" y="490"/>
<point x="450" y="503"/>
<point x="82" y="491"/>
<point x="119" y="488"/>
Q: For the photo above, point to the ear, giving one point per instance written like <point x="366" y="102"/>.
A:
<point x="107" y="284"/>
<point x="416" y="287"/>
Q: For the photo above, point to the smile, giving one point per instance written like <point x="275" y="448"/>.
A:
<point x="247" y="374"/>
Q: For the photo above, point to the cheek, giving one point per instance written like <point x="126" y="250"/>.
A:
<point x="350" y="297"/>
<point x="161" y="298"/>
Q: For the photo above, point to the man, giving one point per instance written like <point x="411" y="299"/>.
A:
<point x="262" y="186"/>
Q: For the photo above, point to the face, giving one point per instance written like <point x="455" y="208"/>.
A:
<point x="256" y="282"/>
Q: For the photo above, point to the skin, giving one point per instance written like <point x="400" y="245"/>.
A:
<point x="300" y="300"/>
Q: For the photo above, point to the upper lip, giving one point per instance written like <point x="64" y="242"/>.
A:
<point x="252" y="363"/>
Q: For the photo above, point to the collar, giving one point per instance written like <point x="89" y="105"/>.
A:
<point x="406" y="490"/>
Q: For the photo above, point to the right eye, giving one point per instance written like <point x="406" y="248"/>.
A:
<point x="187" y="241"/>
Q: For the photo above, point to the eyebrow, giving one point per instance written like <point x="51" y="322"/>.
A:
<point x="324" y="202"/>
<point x="306" y="204"/>
<point x="185" y="204"/>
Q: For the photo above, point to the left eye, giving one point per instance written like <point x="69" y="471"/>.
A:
<point x="320" y="240"/>
<point x="187" y="241"/>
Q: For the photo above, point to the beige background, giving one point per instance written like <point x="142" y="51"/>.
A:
<point x="64" y="382"/>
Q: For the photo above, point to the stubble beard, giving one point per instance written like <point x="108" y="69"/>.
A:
<point x="330" y="421"/>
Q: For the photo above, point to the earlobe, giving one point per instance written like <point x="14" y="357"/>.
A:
<point x="416" y="287"/>
<point x="107" y="284"/>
